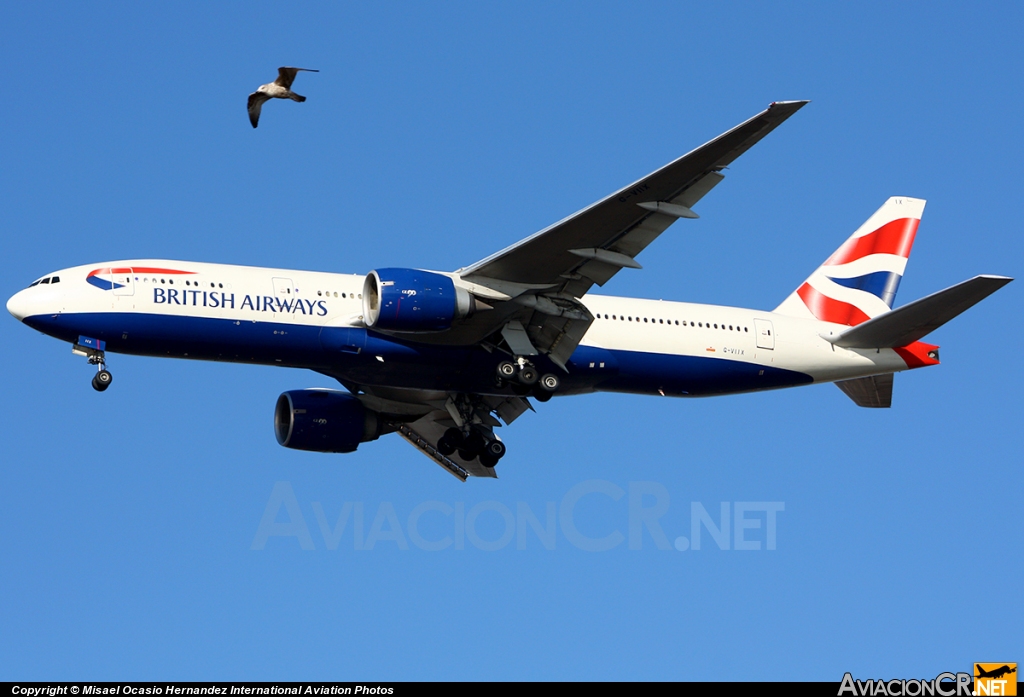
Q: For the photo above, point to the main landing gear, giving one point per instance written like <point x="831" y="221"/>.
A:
<point x="526" y="379"/>
<point x="87" y="347"/>
<point x="471" y="444"/>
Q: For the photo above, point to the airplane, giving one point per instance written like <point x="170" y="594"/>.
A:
<point x="995" y="673"/>
<point x="444" y="358"/>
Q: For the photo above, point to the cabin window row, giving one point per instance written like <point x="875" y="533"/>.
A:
<point x="170" y="281"/>
<point x="651" y="320"/>
<point x="344" y="295"/>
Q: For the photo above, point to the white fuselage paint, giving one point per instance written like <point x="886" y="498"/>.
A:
<point x="330" y="299"/>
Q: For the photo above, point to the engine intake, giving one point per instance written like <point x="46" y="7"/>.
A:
<point x="410" y="300"/>
<point x="323" y="421"/>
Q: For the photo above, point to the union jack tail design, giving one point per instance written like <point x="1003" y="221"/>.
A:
<point x="859" y="280"/>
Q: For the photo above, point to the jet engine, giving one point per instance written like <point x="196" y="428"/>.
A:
<point x="410" y="300"/>
<point x="323" y="421"/>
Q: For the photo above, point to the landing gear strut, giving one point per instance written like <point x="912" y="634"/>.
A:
<point x="92" y="349"/>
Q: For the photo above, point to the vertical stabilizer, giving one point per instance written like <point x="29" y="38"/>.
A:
<point x="860" y="279"/>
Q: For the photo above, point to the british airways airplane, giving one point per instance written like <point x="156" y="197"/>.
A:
<point x="444" y="358"/>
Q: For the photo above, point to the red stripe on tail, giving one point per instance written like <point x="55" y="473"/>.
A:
<point x="896" y="238"/>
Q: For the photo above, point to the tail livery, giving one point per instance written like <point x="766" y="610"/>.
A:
<point x="859" y="281"/>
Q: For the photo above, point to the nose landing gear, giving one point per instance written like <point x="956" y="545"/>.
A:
<point x="93" y="349"/>
<point x="102" y="379"/>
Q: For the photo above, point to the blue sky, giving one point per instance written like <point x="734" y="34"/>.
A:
<point x="433" y="136"/>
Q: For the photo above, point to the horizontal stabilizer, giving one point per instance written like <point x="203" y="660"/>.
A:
<point x="874" y="392"/>
<point x="907" y="324"/>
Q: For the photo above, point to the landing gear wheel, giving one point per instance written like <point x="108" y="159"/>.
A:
<point x="445" y="446"/>
<point x="488" y="461"/>
<point x="506" y="370"/>
<point x="466" y="455"/>
<point x="528" y="375"/>
<point x="550" y="382"/>
<point x="473" y="444"/>
<point x="450" y="441"/>
<point x="541" y="395"/>
<point x="454" y="436"/>
<point x="102" y="380"/>
<point x="495" y="449"/>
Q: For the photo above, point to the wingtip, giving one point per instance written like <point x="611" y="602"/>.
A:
<point x="789" y="107"/>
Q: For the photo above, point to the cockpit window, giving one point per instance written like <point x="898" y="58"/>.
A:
<point x="34" y="283"/>
<point x="55" y="279"/>
<point x="45" y="281"/>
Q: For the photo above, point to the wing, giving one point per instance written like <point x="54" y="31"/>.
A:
<point x="286" y="76"/>
<point x="256" y="100"/>
<point x="534" y="286"/>
<point x="625" y="222"/>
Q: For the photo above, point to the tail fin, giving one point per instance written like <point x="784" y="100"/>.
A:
<point x="860" y="279"/>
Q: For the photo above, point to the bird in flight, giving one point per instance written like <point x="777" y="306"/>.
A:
<point x="281" y="88"/>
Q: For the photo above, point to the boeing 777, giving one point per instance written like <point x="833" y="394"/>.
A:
<point x="444" y="358"/>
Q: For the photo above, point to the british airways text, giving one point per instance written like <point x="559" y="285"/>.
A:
<point x="257" y="303"/>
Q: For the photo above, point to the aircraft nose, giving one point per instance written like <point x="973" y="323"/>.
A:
<point x="18" y="305"/>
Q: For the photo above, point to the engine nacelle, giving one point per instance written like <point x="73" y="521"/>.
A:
<point x="324" y="421"/>
<point x="410" y="300"/>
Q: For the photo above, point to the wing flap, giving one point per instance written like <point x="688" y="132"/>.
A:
<point x="907" y="324"/>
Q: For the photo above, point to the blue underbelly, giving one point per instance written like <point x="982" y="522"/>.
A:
<point x="366" y="358"/>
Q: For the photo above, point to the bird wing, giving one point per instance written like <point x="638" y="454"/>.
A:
<point x="286" y="76"/>
<point x="256" y="100"/>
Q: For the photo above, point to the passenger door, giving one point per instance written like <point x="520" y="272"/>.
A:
<point x="765" y="334"/>
<point x="122" y="280"/>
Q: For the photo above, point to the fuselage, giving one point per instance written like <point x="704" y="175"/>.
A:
<point x="313" y="320"/>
